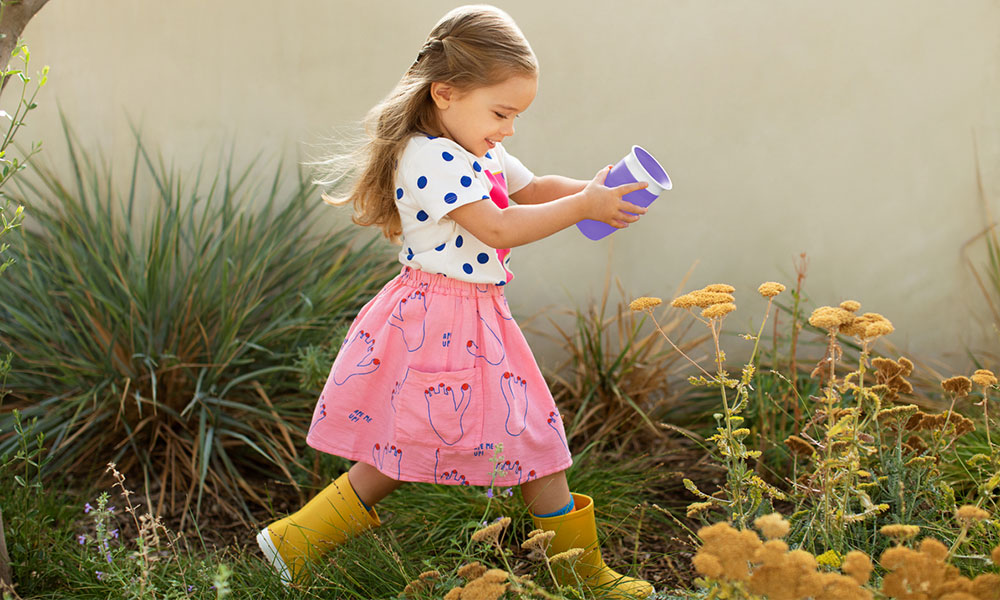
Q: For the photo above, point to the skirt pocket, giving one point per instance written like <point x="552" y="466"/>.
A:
<point x="440" y="408"/>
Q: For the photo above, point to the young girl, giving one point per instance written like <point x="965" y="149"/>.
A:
<point x="435" y="379"/>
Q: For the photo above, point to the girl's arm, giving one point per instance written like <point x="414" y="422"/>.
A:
<point x="547" y="188"/>
<point x="522" y="224"/>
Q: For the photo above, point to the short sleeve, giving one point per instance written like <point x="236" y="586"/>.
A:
<point x="441" y="178"/>
<point x="516" y="173"/>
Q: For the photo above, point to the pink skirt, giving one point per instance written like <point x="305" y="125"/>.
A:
<point x="436" y="383"/>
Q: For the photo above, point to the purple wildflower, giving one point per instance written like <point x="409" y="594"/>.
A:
<point x="100" y="575"/>
<point x="109" y="557"/>
<point x="114" y="533"/>
<point x="87" y="508"/>
<point x="509" y="491"/>
<point x="82" y="539"/>
<point x="489" y="493"/>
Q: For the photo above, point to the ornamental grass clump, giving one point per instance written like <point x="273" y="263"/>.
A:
<point x="157" y="325"/>
<point x="744" y="490"/>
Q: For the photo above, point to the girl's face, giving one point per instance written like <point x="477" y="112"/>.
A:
<point x="479" y="118"/>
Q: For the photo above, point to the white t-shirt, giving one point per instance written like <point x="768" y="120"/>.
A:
<point x="435" y="176"/>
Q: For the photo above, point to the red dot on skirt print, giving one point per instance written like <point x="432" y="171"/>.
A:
<point x="507" y="375"/>
<point x="376" y="362"/>
<point x="468" y="344"/>
<point x="377" y="447"/>
<point x="465" y="387"/>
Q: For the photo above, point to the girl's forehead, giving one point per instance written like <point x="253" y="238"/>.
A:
<point x="515" y="92"/>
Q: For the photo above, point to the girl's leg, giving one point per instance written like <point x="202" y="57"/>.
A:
<point x="340" y="511"/>
<point x="546" y="495"/>
<point x="571" y="517"/>
<point x="370" y="484"/>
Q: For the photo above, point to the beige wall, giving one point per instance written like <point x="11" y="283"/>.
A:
<point x="841" y="129"/>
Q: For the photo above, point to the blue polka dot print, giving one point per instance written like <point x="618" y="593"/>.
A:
<point x="450" y="198"/>
<point x="421" y="182"/>
<point x="466" y="181"/>
<point x="467" y="268"/>
<point x="422" y="216"/>
<point x="476" y="166"/>
<point x="483" y="258"/>
<point x="459" y="241"/>
<point x="441" y="247"/>
<point x="447" y="156"/>
<point x="409" y="254"/>
<point x="399" y="193"/>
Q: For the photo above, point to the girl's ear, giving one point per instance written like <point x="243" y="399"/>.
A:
<point x="442" y="94"/>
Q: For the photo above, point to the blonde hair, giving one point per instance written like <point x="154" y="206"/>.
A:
<point x="470" y="47"/>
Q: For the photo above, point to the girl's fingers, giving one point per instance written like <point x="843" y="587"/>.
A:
<point x="626" y="188"/>
<point x="603" y="174"/>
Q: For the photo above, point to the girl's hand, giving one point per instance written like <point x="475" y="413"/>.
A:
<point x="606" y="205"/>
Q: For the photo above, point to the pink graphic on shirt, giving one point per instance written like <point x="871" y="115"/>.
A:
<point x="498" y="193"/>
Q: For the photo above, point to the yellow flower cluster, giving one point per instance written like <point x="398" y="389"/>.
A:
<point x="537" y="543"/>
<point x="489" y="585"/>
<point x="491" y="533"/>
<point x="799" y="446"/>
<point x="922" y="421"/>
<point x="773" y="526"/>
<point x="770" y="289"/>
<point x="841" y="319"/>
<point x="778" y="573"/>
<point x="644" y="303"/>
<point x="984" y="378"/>
<point x="717" y="311"/>
<point x="891" y="373"/>
<point x="900" y="533"/>
<point x="830" y="318"/>
<point x="851" y="305"/>
<point x="739" y="562"/>
<point x="958" y="386"/>
<point x="716" y="300"/>
<point x="923" y="573"/>
<point x="969" y="513"/>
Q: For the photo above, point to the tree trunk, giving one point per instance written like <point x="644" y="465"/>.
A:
<point x="16" y="15"/>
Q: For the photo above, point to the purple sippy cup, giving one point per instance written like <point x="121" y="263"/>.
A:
<point x="638" y="165"/>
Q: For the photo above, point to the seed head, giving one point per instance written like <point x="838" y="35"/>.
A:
<point x="969" y="513"/>
<point x="454" y="593"/>
<point x="495" y="576"/>
<point x="717" y="311"/>
<point x="429" y="575"/>
<point x="959" y="386"/>
<point x="850" y="305"/>
<point x="995" y="556"/>
<point x="538" y="543"/>
<point x="723" y="288"/>
<point x="984" y="378"/>
<point x="770" y="289"/>
<point x="491" y="533"/>
<point x="644" y="303"/>
<point x="900" y="533"/>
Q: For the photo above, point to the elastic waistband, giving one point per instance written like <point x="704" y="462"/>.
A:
<point x="441" y="284"/>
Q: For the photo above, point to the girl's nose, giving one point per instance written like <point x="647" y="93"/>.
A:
<point x="508" y="130"/>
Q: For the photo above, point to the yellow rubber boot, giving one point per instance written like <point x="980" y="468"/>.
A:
<point x="326" y="521"/>
<point x="578" y="529"/>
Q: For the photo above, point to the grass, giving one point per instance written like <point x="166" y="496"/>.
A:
<point x="162" y="325"/>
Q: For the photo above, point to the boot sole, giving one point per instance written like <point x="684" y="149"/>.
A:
<point x="273" y="556"/>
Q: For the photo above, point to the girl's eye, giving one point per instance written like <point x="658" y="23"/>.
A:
<point x="500" y="115"/>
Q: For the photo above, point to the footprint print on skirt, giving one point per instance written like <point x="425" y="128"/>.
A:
<point x="445" y="411"/>
<point x="444" y="475"/>
<point x="355" y="358"/>
<point x="387" y="458"/>
<point x="515" y="394"/>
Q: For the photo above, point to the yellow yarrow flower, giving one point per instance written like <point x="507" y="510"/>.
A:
<point x="644" y="303"/>
<point x="969" y="513"/>
<point x="850" y="305"/>
<point x="770" y="289"/>
<point x="984" y="378"/>
<point x="717" y="311"/>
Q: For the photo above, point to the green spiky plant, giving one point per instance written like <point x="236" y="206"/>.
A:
<point x="165" y="338"/>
